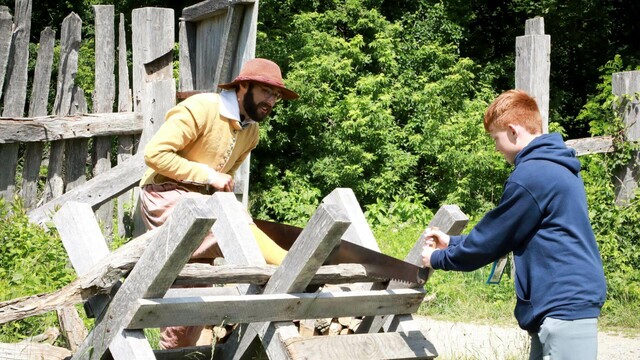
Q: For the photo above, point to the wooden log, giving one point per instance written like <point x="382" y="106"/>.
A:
<point x="15" y="93"/>
<point x="33" y="351"/>
<point x="37" y="107"/>
<point x="533" y="65"/>
<point x="238" y="246"/>
<point x="50" y="128"/>
<point x="156" y="270"/>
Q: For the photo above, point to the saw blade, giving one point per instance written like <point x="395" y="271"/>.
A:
<point x="377" y="264"/>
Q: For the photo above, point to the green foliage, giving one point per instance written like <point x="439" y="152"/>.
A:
<point x="33" y="261"/>
<point x="385" y="107"/>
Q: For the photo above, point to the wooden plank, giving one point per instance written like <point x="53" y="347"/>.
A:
<point x="96" y="191"/>
<point x="15" y="92"/>
<point x="156" y="270"/>
<point x="592" y="145"/>
<point x="31" y="351"/>
<point x="209" y="8"/>
<point x="533" y="65"/>
<point x="359" y="232"/>
<point x="625" y="86"/>
<point x="238" y="246"/>
<point x="355" y="347"/>
<point x="70" y="37"/>
<point x="42" y="74"/>
<point x="105" y="275"/>
<point x="203" y="310"/>
<point x="6" y="23"/>
<point x="76" y="150"/>
<point x="319" y="237"/>
<point x="228" y="44"/>
<point x="232" y="231"/>
<point x="152" y="47"/>
<point x="103" y="100"/>
<point x="80" y="235"/>
<point x="208" y="45"/>
<point x="131" y="345"/>
<point x="126" y="143"/>
<point x="187" y="38"/>
<point x="37" y="107"/>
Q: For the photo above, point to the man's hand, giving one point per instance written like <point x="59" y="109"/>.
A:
<point x="434" y="240"/>
<point x="221" y="181"/>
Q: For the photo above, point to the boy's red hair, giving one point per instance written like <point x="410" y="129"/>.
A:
<point x="514" y="107"/>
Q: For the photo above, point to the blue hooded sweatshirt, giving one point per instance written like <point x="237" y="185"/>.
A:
<point x="542" y="218"/>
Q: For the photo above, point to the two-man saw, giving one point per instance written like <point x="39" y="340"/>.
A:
<point x="376" y="264"/>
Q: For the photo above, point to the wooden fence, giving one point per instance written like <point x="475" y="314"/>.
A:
<point x="70" y="150"/>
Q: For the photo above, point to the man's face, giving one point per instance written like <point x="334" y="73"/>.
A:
<point x="259" y="100"/>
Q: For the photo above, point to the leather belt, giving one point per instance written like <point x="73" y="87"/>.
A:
<point x="202" y="189"/>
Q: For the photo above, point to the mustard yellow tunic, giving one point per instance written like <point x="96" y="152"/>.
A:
<point x="193" y="137"/>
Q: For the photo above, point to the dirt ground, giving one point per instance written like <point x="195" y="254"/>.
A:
<point x="473" y="341"/>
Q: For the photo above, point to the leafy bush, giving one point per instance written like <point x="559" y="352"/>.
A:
<point x="33" y="261"/>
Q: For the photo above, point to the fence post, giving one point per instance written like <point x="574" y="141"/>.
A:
<point x="533" y="65"/>
<point x="103" y="99"/>
<point x="154" y="88"/>
<point x="626" y="85"/>
<point x="15" y="93"/>
<point x="38" y="107"/>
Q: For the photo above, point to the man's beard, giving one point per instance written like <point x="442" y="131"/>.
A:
<point x="252" y="109"/>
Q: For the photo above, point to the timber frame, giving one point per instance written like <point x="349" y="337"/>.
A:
<point x="264" y="313"/>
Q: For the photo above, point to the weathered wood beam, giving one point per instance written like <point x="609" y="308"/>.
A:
<point x="49" y="128"/>
<point x="96" y="191"/>
<point x="592" y="145"/>
<point x="101" y="279"/>
<point x="203" y="310"/>
<point x="210" y="8"/>
<point x="29" y="351"/>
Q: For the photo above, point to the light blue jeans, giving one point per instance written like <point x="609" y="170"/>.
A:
<point x="565" y="340"/>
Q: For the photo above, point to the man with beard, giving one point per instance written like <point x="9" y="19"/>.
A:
<point x="196" y="152"/>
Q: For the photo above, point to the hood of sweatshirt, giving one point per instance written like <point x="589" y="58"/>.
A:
<point x="552" y="148"/>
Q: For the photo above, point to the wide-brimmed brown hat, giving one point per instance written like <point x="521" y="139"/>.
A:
<point x="262" y="71"/>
